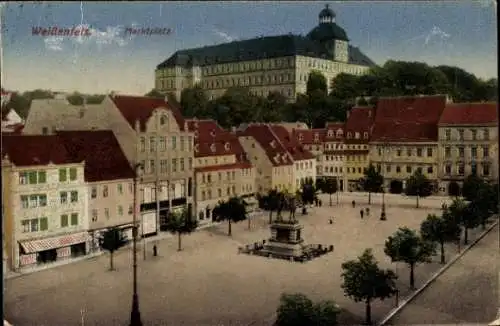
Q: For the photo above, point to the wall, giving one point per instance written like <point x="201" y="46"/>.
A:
<point x="303" y="170"/>
<point x="259" y="159"/>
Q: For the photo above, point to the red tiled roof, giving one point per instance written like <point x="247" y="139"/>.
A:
<point x="408" y="119"/>
<point x="360" y="120"/>
<point x="295" y="149"/>
<point x="104" y="158"/>
<point x="309" y="136"/>
<point x="270" y="143"/>
<point x="469" y="114"/>
<point x="140" y="108"/>
<point x="331" y="131"/>
<point x="233" y="166"/>
<point x="32" y="150"/>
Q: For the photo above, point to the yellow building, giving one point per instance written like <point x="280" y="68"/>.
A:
<point x="468" y="143"/>
<point x="267" y="64"/>
<point x="7" y="215"/>
<point x="356" y="144"/>
<point x="405" y="138"/>
<point x="222" y="169"/>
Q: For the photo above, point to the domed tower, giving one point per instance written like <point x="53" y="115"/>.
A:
<point x="332" y="37"/>
<point x="326" y="15"/>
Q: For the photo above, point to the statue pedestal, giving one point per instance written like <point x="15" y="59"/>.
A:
<point x="286" y="240"/>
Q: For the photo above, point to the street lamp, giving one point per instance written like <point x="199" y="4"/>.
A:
<point x="135" y="314"/>
<point x="382" y="214"/>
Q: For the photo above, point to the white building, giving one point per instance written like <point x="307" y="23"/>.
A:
<point x="46" y="216"/>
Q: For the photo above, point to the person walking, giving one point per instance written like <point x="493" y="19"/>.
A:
<point x="353" y="204"/>
<point x="361" y="213"/>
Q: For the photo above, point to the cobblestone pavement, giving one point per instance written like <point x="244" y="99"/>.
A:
<point x="465" y="293"/>
<point x="208" y="283"/>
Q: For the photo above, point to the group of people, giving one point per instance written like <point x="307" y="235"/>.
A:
<point x="362" y="212"/>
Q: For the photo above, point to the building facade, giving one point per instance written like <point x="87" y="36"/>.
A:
<point x="109" y="179"/>
<point x="405" y="138"/>
<point x="333" y="159"/>
<point x="312" y="140"/>
<point x="266" y="64"/>
<point x="356" y="144"/>
<point x="468" y="143"/>
<point x="49" y="206"/>
<point x="221" y="169"/>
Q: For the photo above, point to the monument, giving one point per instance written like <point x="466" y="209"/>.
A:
<point x="285" y="240"/>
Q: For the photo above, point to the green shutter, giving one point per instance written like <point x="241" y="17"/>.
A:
<point x="74" y="219"/>
<point x="62" y="175"/>
<point x="32" y="178"/>
<point x="72" y="174"/>
<point x="42" y="177"/>
<point x="64" y="220"/>
<point x="44" y="224"/>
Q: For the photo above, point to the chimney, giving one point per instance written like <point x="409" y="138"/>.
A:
<point x="369" y="113"/>
<point x="137" y="126"/>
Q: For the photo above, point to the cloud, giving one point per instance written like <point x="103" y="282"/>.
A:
<point x="54" y="43"/>
<point x="434" y="33"/>
<point x="223" y="35"/>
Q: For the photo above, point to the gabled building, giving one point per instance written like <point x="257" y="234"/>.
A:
<point x="304" y="161"/>
<point x="333" y="155"/>
<point x="109" y="179"/>
<point x="46" y="202"/>
<point x="468" y="143"/>
<point x="274" y="164"/>
<point x="313" y="141"/>
<point x="221" y="169"/>
<point x="356" y="144"/>
<point x="405" y="137"/>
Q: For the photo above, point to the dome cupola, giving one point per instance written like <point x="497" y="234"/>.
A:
<point x="326" y="15"/>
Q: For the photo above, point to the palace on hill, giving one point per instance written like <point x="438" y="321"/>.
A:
<point x="265" y="64"/>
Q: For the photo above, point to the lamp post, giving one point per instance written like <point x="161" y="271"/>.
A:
<point x="337" y="182"/>
<point x="135" y="314"/>
<point x="382" y="213"/>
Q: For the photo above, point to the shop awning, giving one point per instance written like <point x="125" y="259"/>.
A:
<point x="31" y="246"/>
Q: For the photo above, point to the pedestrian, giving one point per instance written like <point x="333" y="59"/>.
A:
<point x="155" y="250"/>
<point x="331" y="220"/>
<point x="361" y="212"/>
<point x="320" y="203"/>
<point x="367" y="211"/>
<point x="353" y="204"/>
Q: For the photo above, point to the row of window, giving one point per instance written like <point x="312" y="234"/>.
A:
<point x="40" y="177"/>
<point x="460" y="169"/>
<point x="105" y="190"/>
<point x="256" y="80"/>
<point x="42" y="223"/>
<point x="278" y="171"/>
<point x="304" y="165"/>
<point x="230" y="191"/>
<point x="461" y="151"/>
<point x="472" y="134"/>
<point x="207" y="177"/>
<point x="40" y="200"/>
<point x="185" y="143"/>
<point x="119" y="212"/>
<point x="177" y="165"/>
<point x="163" y="189"/>
<point x="329" y="66"/>
<point x="410" y="151"/>
<point x="409" y="169"/>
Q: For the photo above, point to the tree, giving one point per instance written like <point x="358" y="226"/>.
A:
<point x="194" y="102"/>
<point x="372" y="182"/>
<point x="307" y="194"/>
<point x="406" y="246"/>
<point x="441" y="230"/>
<point x="316" y="82"/>
<point x="418" y="185"/>
<point x="112" y="240"/>
<point x="155" y="93"/>
<point x="271" y="202"/>
<point x="471" y="186"/>
<point x="232" y="210"/>
<point x="396" y="187"/>
<point x="330" y="187"/>
<point x="364" y="281"/>
<point x="298" y="310"/>
<point x="465" y="215"/>
<point x="180" y="223"/>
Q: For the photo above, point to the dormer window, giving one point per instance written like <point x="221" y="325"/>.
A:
<point x="330" y="133"/>
<point x="213" y="148"/>
<point x="365" y="135"/>
<point x="196" y="148"/>
<point x="196" y="134"/>
<point x="301" y="137"/>
<point x="349" y="135"/>
<point x="340" y="132"/>
<point x="272" y="144"/>
<point x="356" y="135"/>
<point x="212" y="133"/>
<point x="316" y="137"/>
<point x="163" y="120"/>
<point x="277" y="159"/>
<point x="227" y="146"/>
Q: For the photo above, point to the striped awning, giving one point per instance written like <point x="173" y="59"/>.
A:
<point x="31" y="246"/>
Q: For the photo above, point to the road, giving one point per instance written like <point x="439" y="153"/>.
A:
<point x="466" y="293"/>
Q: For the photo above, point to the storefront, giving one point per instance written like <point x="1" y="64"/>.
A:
<point x="48" y="250"/>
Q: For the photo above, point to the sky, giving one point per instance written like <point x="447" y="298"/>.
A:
<point x="458" y="33"/>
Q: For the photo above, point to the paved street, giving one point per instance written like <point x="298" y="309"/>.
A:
<point x="208" y="283"/>
<point x="466" y="293"/>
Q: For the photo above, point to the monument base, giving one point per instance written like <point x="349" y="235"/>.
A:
<point x="283" y="248"/>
